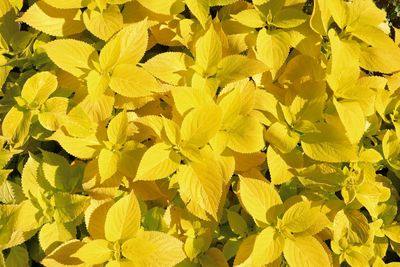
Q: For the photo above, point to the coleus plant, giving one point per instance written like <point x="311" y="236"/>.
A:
<point x="199" y="133"/>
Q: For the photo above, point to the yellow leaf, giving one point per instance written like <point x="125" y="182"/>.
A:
<point x="169" y="67"/>
<point x="186" y="98"/>
<point x="62" y="255"/>
<point x="320" y="17"/>
<point x="103" y="24"/>
<point x="38" y="88"/>
<point x="73" y="56"/>
<point x="52" y="234"/>
<point x="152" y="248"/>
<point x="132" y="81"/>
<point x="95" y="252"/>
<point x="201" y="182"/>
<point x="352" y="117"/>
<point x="208" y="52"/>
<point x="268" y="247"/>
<point x="356" y="259"/>
<point x="289" y="18"/>
<point x="344" y="69"/>
<point x="306" y="251"/>
<point x="201" y="124"/>
<point x="123" y="219"/>
<point x="200" y="9"/>
<point x="339" y="12"/>
<point x="251" y="18"/>
<point x="328" y="144"/>
<point x="108" y="163"/>
<point x="16" y="126"/>
<point x="159" y="161"/>
<point x="377" y="59"/>
<point x="130" y="43"/>
<point x="245" y="135"/>
<point x="299" y="217"/>
<point x="272" y="49"/>
<point x="280" y="136"/>
<point x="117" y="128"/>
<point x="84" y="148"/>
<point x="259" y="198"/>
<point x="53" y="21"/>
<point x="164" y="7"/>
<point x="393" y="232"/>
<point x="280" y="165"/>
<point x="237" y="223"/>
<point x="66" y="4"/>
<point x="213" y="258"/>
<point x="236" y="67"/>
<point x="53" y="113"/>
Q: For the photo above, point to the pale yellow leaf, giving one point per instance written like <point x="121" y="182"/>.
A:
<point x="123" y="219"/>
<point x="53" y="21"/>
<point x="153" y="249"/>
<point x="159" y="161"/>
<point x="103" y="24"/>
<point x="132" y="81"/>
<point x="73" y="56"/>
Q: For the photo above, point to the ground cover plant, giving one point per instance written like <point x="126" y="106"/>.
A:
<point x="196" y="133"/>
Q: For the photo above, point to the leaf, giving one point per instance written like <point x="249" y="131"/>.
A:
<point x="201" y="124"/>
<point x="201" y="183"/>
<point x="131" y="81"/>
<point x="16" y="125"/>
<point x="95" y="252"/>
<point x="272" y="48"/>
<point x="306" y="251"/>
<point x="68" y="206"/>
<point x="259" y="199"/>
<point x="208" y="52"/>
<point x="376" y="59"/>
<point x="251" y="18"/>
<point x="268" y="247"/>
<point x="66" y="5"/>
<point x="103" y="24"/>
<point x="117" y="129"/>
<point x="236" y="67"/>
<point x="58" y="172"/>
<point x="164" y="7"/>
<point x="299" y="217"/>
<point x="344" y="69"/>
<point x="159" y="161"/>
<point x="108" y="163"/>
<point x="237" y="223"/>
<point x="84" y="148"/>
<point x="153" y="249"/>
<point x="17" y="257"/>
<point x="77" y="57"/>
<point x="281" y="137"/>
<point x="123" y="219"/>
<point x="393" y="232"/>
<point x="289" y="18"/>
<point x="169" y="67"/>
<point x="328" y="144"/>
<point x="53" y="234"/>
<point x="320" y="17"/>
<point x="53" y="21"/>
<point x="351" y="225"/>
<point x="213" y="258"/>
<point x="245" y="135"/>
<point x="130" y="44"/>
<point x="280" y="165"/>
<point x="62" y="255"/>
<point x="352" y="117"/>
<point x="200" y="9"/>
<point x="53" y="113"/>
<point x="39" y="87"/>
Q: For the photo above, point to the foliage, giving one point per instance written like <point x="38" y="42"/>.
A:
<point x="199" y="133"/>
